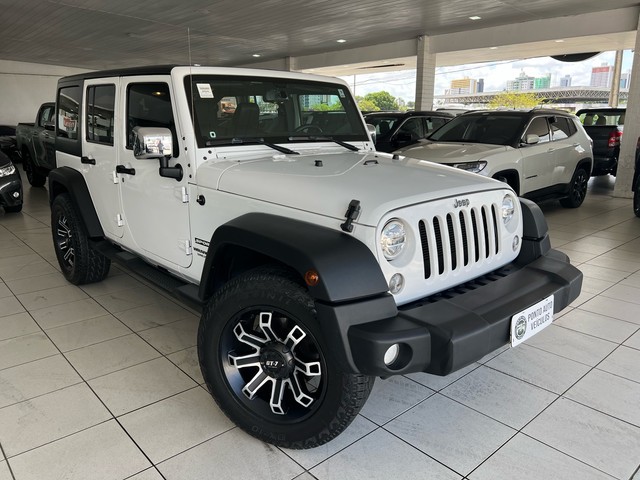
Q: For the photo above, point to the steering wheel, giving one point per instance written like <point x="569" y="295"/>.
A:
<point x="308" y="129"/>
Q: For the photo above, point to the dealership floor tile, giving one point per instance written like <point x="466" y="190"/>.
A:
<point x="102" y="381"/>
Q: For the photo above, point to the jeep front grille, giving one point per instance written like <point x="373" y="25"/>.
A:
<point x="462" y="238"/>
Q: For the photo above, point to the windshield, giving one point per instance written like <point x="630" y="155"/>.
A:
<point x="274" y="110"/>
<point x="491" y="128"/>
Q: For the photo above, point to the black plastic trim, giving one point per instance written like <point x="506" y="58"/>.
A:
<point x="347" y="269"/>
<point x="66" y="179"/>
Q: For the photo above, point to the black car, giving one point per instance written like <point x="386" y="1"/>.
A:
<point x="395" y="130"/>
<point x="10" y="185"/>
<point x="8" y="142"/>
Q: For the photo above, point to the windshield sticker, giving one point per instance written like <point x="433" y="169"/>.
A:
<point x="341" y="93"/>
<point x="205" y="90"/>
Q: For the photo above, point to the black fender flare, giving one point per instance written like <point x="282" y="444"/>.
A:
<point x="535" y="233"/>
<point x="346" y="268"/>
<point x="69" y="180"/>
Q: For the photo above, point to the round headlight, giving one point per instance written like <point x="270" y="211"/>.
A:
<point x="508" y="208"/>
<point x="393" y="239"/>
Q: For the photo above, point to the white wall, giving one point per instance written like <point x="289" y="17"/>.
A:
<point x="24" y="86"/>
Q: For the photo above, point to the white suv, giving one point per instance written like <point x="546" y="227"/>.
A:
<point x="540" y="153"/>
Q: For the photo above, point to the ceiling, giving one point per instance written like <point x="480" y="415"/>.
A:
<point x="99" y="34"/>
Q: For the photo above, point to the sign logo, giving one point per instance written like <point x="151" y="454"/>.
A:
<point x="520" y="327"/>
<point x="463" y="202"/>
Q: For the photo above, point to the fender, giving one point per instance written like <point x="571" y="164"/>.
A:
<point x="347" y="269"/>
<point x="66" y="179"/>
<point x="535" y="233"/>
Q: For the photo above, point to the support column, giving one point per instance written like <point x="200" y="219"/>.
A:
<point x="290" y="64"/>
<point x="425" y="75"/>
<point x="614" y="94"/>
<point x="626" y="162"/>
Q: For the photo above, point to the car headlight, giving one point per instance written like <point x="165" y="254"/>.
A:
<point x="4" y="171"/>
<point x="393" y="239"/>
<point x="508" y="208"/>
<point x="474" y="167"/>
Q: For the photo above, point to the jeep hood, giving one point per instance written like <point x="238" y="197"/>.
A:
<point x="326" y="183"/>
<point x="448" y="152"/>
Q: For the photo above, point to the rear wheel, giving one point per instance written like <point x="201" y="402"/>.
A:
<point x="636" y="198"/>
<point x="79" y="263"/>
<point x="267" y="366"/>
<point x="35" y="178"/>
<point x="577" y="189"/>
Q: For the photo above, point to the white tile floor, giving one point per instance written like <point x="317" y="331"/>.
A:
<point x="102" y="382"/>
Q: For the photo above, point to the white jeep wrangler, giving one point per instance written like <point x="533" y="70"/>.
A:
<point x="319" y="263"/>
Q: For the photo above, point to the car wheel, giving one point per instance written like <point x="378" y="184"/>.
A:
<point x="267" y="366"/>
<point x="79" y="263"/>
<point x="13" y="209"/>
<point x="35" y="179"/>
<point x="577" y="189"/>
<point x="636" y="199"/>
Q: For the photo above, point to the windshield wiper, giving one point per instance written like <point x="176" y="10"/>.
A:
<point x="313" y="138"/>
<point x="251" y="140"/>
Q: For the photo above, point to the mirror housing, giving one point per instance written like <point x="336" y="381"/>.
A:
<point x="531" y="139"/>
<point x="151" y="142"/>
<point x="372" y="132"/>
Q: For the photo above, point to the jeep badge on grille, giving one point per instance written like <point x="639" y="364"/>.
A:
<point x="464" y="202"/>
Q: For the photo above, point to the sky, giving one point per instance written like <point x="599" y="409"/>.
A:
<point x="402" y="83"/>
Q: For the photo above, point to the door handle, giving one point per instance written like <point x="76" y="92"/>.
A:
<point x="125" y="170"/>
<point x="87" y="160"/>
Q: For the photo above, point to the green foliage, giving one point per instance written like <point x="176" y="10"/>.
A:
<point x="324" y="107"/>
<point x="516" y="100"/>
<point x="367" y="105"/>
<point x="383" y="100"/>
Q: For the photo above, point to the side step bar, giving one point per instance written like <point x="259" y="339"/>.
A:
<point x="166" y="281"/>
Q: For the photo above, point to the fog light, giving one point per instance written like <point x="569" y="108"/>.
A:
<point x="396" y="283"/>
<point x="516" y="243"/>
<point x="391" y="355"/>
<point x="16" y="194"/>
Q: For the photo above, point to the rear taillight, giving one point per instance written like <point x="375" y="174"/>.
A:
<point x="614" y="138"/>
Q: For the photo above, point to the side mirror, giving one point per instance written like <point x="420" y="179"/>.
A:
<point x="531" y="139"/>
<point x="405" y="138"/>
<point x="156" y="143"/>
<point x="372" y="131"/>
<point x="151" y="142"/>
<point x="49" y="126"/>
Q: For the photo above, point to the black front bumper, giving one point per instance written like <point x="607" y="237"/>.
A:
<point x="11" y="185"/>
<point x="448" y="331"/>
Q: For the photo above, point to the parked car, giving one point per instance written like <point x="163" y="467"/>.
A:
<point x="10" y="185"/>
<point x="605" y="127"/>
<point x="8" y="142"/>
<point x="35" y="142"/>
<point x="398" y="129"/>
<point x="540" y="153"/>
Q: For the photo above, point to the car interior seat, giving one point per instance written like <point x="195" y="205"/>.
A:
<point x="601" y="121"/>
<point x="621" y="119"/>
<point x="245" y="119"/>
<point x="588" y="119"/>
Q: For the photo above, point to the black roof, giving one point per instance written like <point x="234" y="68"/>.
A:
<point x="411" y="113"/>
<point x="519" y="113"/>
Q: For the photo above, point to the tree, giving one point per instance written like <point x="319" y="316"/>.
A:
<point x="516" y="100"/>
<point x="367" y="105"/>
<point x="383" y="100"/>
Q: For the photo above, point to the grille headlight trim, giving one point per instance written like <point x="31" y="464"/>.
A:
<point x="6" y="171"/>
<point x="393" y="239"/>
<point x="508" y="208"/>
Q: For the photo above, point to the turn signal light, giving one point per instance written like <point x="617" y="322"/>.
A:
<point x="311" y="278"/>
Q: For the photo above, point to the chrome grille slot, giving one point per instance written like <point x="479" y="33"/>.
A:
<point x="459" y="239"/>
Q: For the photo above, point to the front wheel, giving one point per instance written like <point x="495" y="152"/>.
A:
<point x="36" y="179"/>
<point x="266" y="364"/>
<point x="79" y="263"/>
<point x="577" y="190"/>
<point x="636" y="198"/>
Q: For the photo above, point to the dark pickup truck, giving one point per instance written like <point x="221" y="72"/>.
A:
<point x="605" y="127"/>
<point x="36" y="145"/>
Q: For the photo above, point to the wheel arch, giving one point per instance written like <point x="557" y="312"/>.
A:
<point x="346" y="268"/>
<point x="68" y="180"/>
<point x="512" y="176"/>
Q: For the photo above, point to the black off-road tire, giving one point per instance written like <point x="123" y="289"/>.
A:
<point x="577" y="189"/>
<point x="35" y="178"/>
<point x="254" y="315"/>
<point x="636" y="198"/>
<point x="80" y="264"/>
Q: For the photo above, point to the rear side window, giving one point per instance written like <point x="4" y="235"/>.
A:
<point x="68" y="111"/>
<point x="100" y="107"/>
<point x="561" y="127"/>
